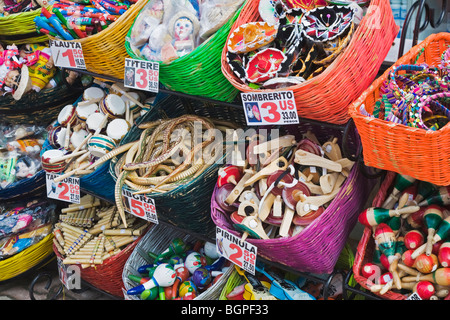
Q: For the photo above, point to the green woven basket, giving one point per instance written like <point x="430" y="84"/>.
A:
<point x="19" y="28"/>
<point x="199" y="72"/>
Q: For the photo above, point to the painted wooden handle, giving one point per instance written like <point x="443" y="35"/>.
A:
<point x="309" y="159"/>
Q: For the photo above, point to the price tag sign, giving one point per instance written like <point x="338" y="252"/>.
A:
<point x="67" y="54"/>
<point x="241" y="253"/>
<point x="270" y="108"/>
<point x="414" y="296"/>
<point x="140" y="205"/>
<point x="141" y="75"/>
<point x="66" y="190"/>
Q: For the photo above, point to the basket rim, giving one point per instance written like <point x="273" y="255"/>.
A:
<point x="387" y="125"/>
<point x="358" y="33"/>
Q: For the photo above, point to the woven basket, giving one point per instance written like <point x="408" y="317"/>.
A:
<point x="394" y="147"/>
<point x="156" y="240"/>
<point x="327" y="96"/>
<point x="182" y="206"/>
<point x="317" y="248"/>
<point x="26" y="259"/>
<point x="108" y="275"/>
<point x="104" y="52"/>
<point x="19" y="28"/>
<point x="24" y="188"/>
<point x="366" y="245"/>
<point x="198" y="73"/>
<point x="38" y="107"/>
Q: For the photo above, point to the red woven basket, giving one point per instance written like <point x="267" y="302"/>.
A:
<point x="316" y="248"/>
<point x="327" y="96"/>
<point x="108" y="275"/>
<point x="366" y="245"/>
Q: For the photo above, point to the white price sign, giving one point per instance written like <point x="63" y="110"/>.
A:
<point x="140" y="205"/>
<point x="241" y="253"/>
<point x="270" y="108"/>
<point x="67" y="54"/>
<point x="66" y="190"/>
<point x="141" y="75"/>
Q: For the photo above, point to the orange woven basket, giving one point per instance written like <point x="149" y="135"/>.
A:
<point x="327" y="96"/>
<point x="415" y="152"/>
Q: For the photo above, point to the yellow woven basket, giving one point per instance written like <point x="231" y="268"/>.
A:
<point x="104" y="52"/>
<point x="26" y="259"/>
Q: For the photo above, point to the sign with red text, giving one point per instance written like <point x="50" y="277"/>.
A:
<point x="67" y="54"/>
<point x="141" y="75"/>
<point x="241" y="253"/>
<point x="67" y="189"/>
<point x="270" y="108"/>
<point x="140" y="206"/>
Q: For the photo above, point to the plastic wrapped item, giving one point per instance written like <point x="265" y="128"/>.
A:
<point x="24" y="224"/>
<point x="168" y="29"/>
<point x="20" y="147"/>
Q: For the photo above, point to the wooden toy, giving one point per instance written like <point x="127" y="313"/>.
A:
<point x="56" y="166"/>
<point x="371" y="271"/>
<point x="293" y="194"/>
<point x="408" y="197"/>
<point x="93" y="94"/>
<point x="163" y="276"/>
<point x="415" y="219"/>
<point x="223" y="194"/>
<point x="312" y="203"/>
<point x="310" y="146"/>
<point x="442" y="233"/>
<point x="230" y="174"/>
<point x="237" y="190"/>
<point x="441" y="199"/>
<point x="414" y="239"/>
<point x="432" y="219"/>
<point x="426" y="263"/>
<point x="327" y="182"/>
<point x="84" y="109"/>
<point x="424" y="190"/>
<point x="117" y="129"/>
<point x="400" y="184"/>
<point x="308" y="159"/>
<point x="279" y="164"/>
<point x="441" y="276"/>
<point x="332" y="149"/>
<point x="373" y="216"/>
<point x="444" y="254"/>
<point x="274" y="144"/>
<point x="99" y="145"/>
<point x="425" y="289"/>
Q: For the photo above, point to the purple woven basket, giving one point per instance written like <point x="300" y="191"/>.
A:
<point x="317" y="248"/>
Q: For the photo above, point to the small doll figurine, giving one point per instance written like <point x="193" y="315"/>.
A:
<point x="25" y="168"/>
<point x="184" y="28"/>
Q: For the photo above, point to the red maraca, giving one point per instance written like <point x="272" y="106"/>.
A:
<point x="444" y="254"/>
<point x="425" y="289"/>
<point x="371" y="271"/>
<point x="373" y="216"/>
<point x="386" y="241"/>
<point x="414" y="239"/>
<point x="415" y="220"/>
<point x="407" y="259"/>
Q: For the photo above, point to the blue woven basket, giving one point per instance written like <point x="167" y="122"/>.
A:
<point x="187" y="206"/>
<point x="98" y="182"/>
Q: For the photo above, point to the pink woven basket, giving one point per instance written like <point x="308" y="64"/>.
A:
<point x="317" y="248"/>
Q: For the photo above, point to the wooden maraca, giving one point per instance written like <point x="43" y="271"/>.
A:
<point x="407" y="197"/>
<point x="176" y="246"/>
<point x="432" y="218"/>
<point x="426" y="263"/>
<point x="444" y="254"/>
<point x="425" y="289"/>
<point x="373" y="216"/>
<point x="442" y="198"/>
<point x="386" y="242"/>
<point x="400" y="184"/>
<point x="414" y="239"/>
<point x="424" y="190"/>
<point x="441" y="276"/>
<point x="163" y="276"/>
<point x="371" y="271"/>
<point x="415" y="219"/>
<point x="441" y="233"/>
